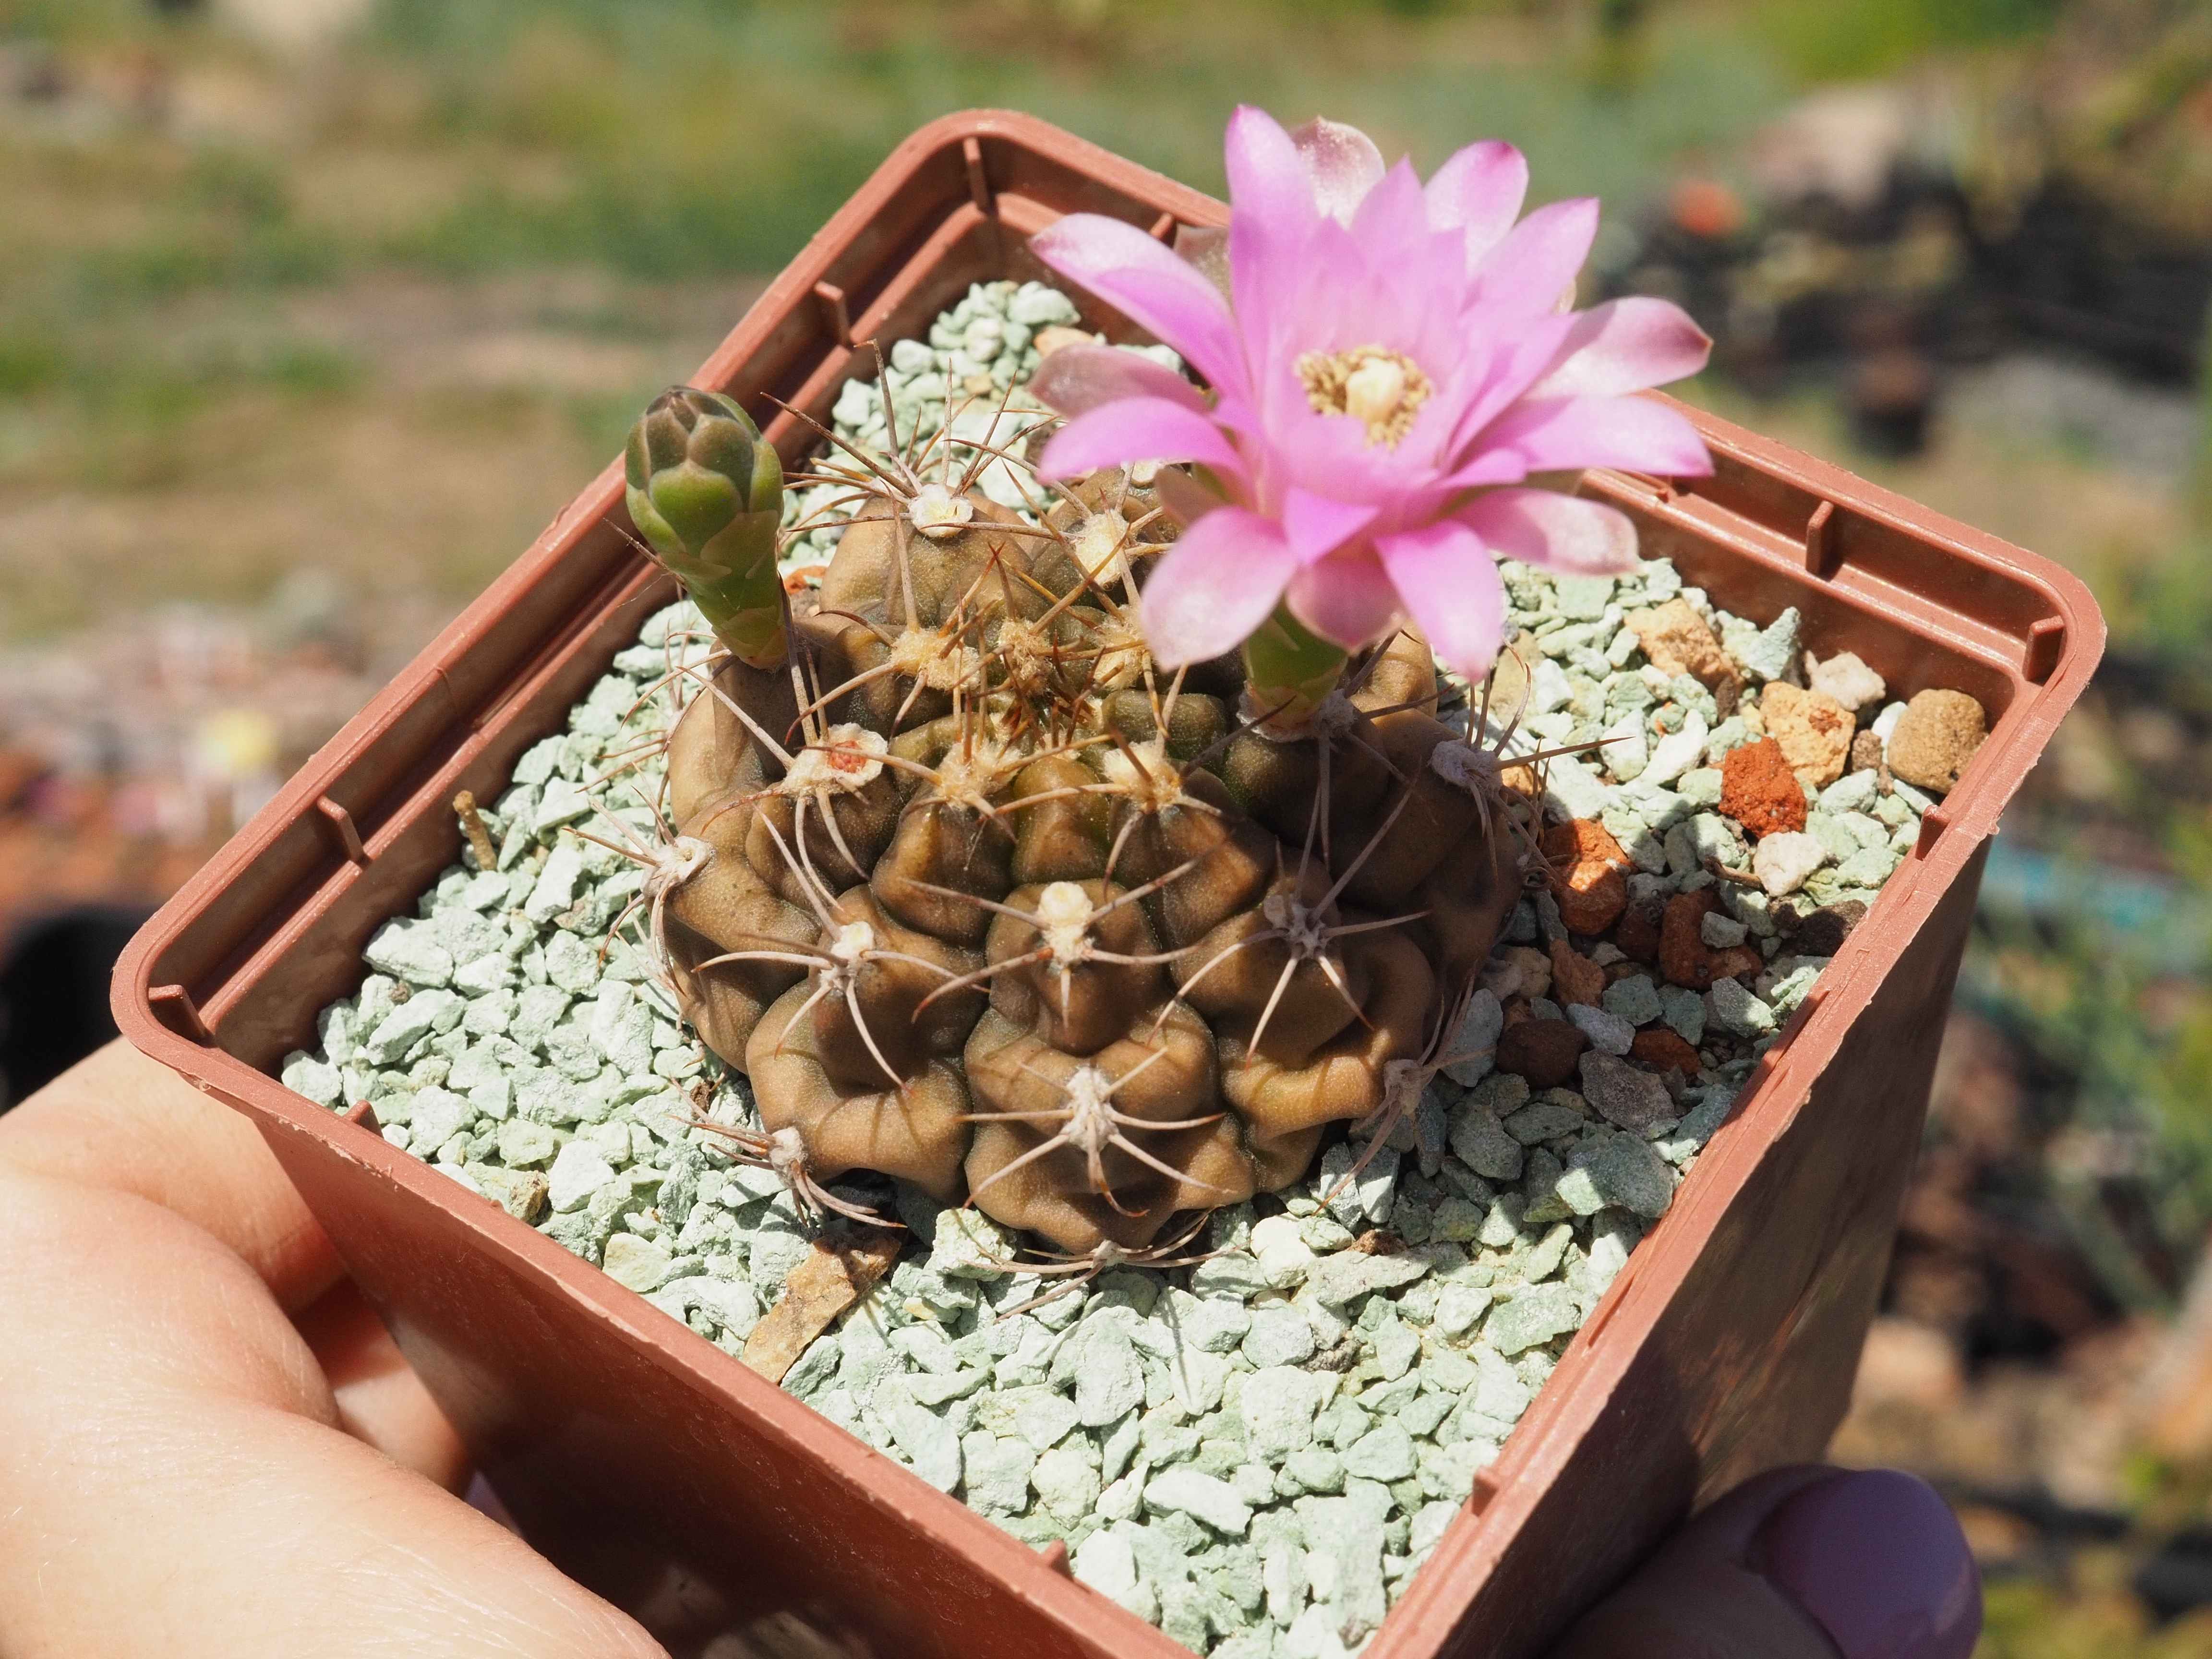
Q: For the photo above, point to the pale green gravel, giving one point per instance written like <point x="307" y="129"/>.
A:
<point x="1253" y="1453"/>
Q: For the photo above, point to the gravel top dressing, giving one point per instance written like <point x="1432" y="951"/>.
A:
<point x="1257" y="1450"/>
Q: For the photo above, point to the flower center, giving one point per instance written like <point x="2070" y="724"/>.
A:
<point x="1381" y="389"/>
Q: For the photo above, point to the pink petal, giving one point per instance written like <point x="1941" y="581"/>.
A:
<point x="1317" y="527"/>
<point x="1489" y="466"/>
<point x="1079" y="378"/>
<point x="1271" y="218"/>
<point x="1529" y="348"/>
<point x="1622" y="346"/>
<point x="1639" y="433"/>
<point x="1527" y="272"/>
<point x="1478" y="190"/>
<point x="1267" y="175"/>
<point x="1559" y="532"/>
<point x="1347" y="599"/>
<point x="1342" y="163"/>
<point x="1146" y="282"/>
<point x="1138" y="429"/>
<point x="1393" y="215"/>
<point x="1217" y="584"/>
<point x="1449" y="583"/>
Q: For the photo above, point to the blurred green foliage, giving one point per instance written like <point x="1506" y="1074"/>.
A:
<point x="2093" y="1616"/>
<point x="1850" y="39"/>
<point x="669" y="139"/>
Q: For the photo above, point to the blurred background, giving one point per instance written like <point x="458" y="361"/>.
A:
<point x="313" y="312"/>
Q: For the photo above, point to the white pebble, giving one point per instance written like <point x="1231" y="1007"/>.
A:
<point x="1846" y="678"/>
<point x="1783" y="861"/>
<point x="578" y="1171"/>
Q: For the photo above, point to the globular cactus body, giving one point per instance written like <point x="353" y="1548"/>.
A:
<point x="996" y="907"/>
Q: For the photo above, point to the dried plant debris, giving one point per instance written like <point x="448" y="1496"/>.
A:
<point x="837" y="1272"/>
<point x="1249" y="1425"/>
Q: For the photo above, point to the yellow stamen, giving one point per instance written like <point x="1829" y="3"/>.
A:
<point x="1381" y="389"/>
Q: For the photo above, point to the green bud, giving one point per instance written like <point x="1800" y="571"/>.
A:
<point x="706" y="491"/>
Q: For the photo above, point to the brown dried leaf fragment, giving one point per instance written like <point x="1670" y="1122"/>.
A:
<point x="836" y="1273"/>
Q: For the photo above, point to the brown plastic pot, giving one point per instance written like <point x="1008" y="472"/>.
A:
<point x="662" y="1473"/>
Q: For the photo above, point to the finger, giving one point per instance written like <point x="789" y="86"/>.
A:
<point x="379" y="1399"/>
<point x="1803" y="1563"/>
<point x="173" y="1479"/>
<point x="123" y="1121"/>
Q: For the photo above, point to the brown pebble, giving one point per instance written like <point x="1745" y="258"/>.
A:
<point x="1866" y="753"/>
<point x="1637" y="936"/>
<point x="1587" y="874"/>
<point x="1935" y="737"/>
<point x="1055" y="338"/>
<point x="1582" y="841"/>
<point x="1590" y="897"/>
<point x="1813" y="729"/>
<point x="1759" y="791"/>
<point x="1517" y="971"/>
<point x="1821" y="933"/>
<point x="1677" y="640"/>
<point x="1685" y="958"/>
<point x="1543" y="1051"/>
<point x="1575" y="977"/>
<point x="1662" y="1050"/>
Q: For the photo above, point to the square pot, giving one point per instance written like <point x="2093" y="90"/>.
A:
<point x="665" y="1474"/>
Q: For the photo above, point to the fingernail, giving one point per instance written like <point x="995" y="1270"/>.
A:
<point x="1877" y="1560"/>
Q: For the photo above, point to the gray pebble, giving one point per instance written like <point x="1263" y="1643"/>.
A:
<point x="1384" y="1453"/>
<point x="1187" y="1491"/>
<point x="995" y="1472"/>
<point x="930" y="1442"/>
<point x="1684" y="1011"/>
<point x="1609" y="1034"/>
<point x="1737" y="1012"/>
<point x="1279" y="1405"/>
<point x="1634" y="1000"/>
<point x="1349" y="1275"/>
<point x="409" y="951"/>
<point x="1623" y="1094"/>
<point x="1066" y="1480"/>
<point x="1280" y="1335"/>
<point x="1480" y="1142"/>
<point x="1532" y="1316"/>
<point x="1108" y="1383"/>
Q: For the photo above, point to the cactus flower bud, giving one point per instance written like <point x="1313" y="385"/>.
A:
<point x="706" y="491"/>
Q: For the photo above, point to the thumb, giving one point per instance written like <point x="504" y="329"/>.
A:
<point x="1803" y="1563"/>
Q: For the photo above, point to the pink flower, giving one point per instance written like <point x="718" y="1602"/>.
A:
<point x="1397" y="361"/>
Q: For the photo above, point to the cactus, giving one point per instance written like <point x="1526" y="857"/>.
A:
<point x="993" y="905"/>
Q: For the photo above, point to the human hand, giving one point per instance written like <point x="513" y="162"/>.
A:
<point x="210" y="1449"/>
<point x="1802" y="1563"/>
